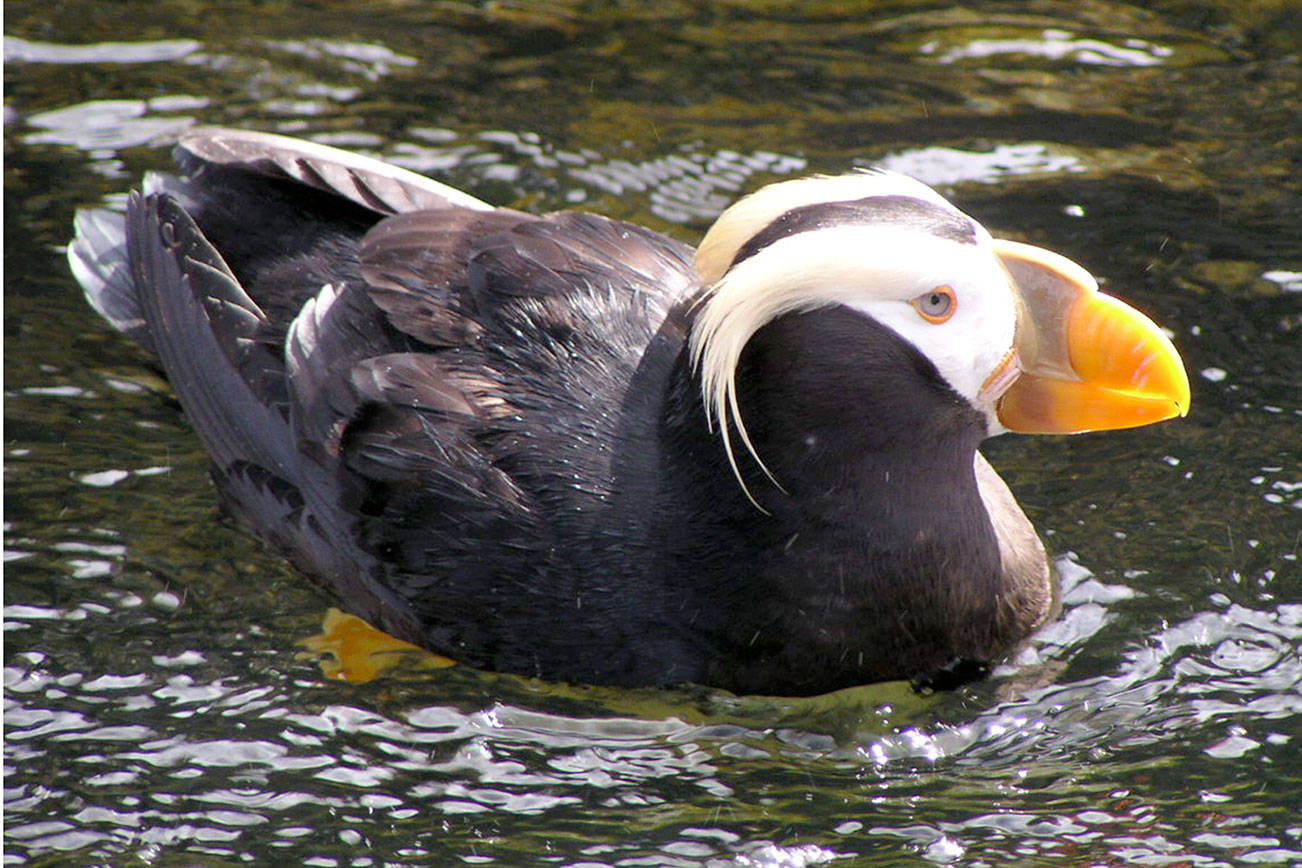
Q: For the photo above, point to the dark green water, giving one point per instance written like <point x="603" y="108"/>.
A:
<point x="155" y="712"/>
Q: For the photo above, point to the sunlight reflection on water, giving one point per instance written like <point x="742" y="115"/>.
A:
<point x="511" y="760"/>
<point x="1055" y="44"/>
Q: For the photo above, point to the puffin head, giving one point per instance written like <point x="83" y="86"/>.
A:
<point x="1020" y="333"/>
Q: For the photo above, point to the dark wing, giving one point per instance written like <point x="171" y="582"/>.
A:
<point x="209" y="270"/>
<point x="207" y="333"/>
<point x="491" y="454"/>
<point x="419" y="409"/>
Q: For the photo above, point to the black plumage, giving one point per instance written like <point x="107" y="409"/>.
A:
<point x="482" y="430"/>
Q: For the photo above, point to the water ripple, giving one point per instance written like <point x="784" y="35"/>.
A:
<point x="17" y="50"/>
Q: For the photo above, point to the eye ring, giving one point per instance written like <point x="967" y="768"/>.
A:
<point x="936" y="305"/>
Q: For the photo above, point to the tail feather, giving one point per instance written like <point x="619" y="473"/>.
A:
<point x="199" y="321"/>
<point x="206" y="331"/>
<point x="97" y="256"/>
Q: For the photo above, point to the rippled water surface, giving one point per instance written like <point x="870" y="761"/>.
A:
<point x="157" y="708"/>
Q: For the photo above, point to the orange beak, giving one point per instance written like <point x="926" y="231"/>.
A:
<point x="1088" y="361"/>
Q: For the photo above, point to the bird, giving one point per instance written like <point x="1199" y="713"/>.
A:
<point x="568" y="447"/>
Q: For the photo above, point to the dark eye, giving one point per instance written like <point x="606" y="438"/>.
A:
<point x="936" y="305"/>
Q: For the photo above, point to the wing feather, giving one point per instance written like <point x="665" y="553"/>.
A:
<point x="379" y="186"/>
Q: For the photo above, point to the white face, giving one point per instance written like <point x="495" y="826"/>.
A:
<point x="954" y="303"/>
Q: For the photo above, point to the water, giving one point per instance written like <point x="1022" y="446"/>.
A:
<point x="156" y="708"/>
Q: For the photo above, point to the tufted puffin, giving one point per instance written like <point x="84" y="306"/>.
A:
<point x="565" y="446"/>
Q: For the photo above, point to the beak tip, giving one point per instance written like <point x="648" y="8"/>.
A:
<point x="1182" y="399"/>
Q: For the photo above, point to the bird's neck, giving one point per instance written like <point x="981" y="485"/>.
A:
<point x="877" y="540"/>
